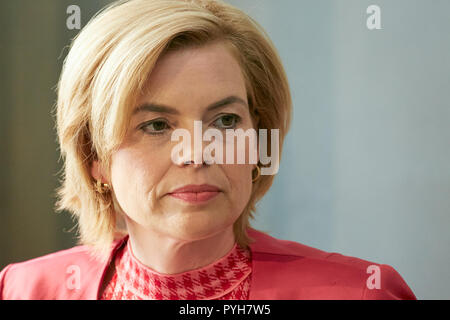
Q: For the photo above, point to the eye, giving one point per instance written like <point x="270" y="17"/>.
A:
<point x="227" y="121"/>
<point x="155" y="127"/>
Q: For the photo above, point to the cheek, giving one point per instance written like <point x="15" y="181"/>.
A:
<point x="240" y="183"/>
<point x="134" y="177"/>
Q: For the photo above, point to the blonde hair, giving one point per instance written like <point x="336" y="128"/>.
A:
<point x="106" y="70"/>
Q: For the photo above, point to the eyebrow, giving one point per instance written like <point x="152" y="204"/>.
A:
<point x="152" y="107"/>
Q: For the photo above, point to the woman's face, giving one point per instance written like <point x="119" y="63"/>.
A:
<point x="142" y="171"/>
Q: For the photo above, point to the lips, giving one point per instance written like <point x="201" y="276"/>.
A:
<point x="195" y="193"/>
<point x="193" y="188"/>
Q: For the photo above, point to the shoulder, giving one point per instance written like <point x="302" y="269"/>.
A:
<point x="315" y="273"/>
<point x="65" y="274"/>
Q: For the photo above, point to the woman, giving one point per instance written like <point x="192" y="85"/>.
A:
<point x="160" y="224"/>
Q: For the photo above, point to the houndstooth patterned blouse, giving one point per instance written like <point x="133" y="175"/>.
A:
<point x="225" y="279"/>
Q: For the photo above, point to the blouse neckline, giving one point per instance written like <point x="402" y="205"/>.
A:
<point x="217" y="279"/>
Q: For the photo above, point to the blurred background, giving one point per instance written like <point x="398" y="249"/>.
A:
<point x="366" y="166"/>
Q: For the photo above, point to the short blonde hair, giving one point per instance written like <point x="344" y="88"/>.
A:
<point x="106" y="70"/>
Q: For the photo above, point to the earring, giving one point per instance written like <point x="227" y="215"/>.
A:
<point x="101" y="187"/>
<point x="258" y="174"/>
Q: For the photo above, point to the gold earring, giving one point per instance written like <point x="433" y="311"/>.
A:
<point x="101" y="187"/>
<point x="258" y="174"/>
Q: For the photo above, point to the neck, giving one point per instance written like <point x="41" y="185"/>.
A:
<point x="167" y="255"/>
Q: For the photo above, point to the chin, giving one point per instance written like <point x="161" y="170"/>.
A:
<point x="197" y="232"/>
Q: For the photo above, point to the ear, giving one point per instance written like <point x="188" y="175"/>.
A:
<point x="96" y="171"/>
<point x="257" y="148"/>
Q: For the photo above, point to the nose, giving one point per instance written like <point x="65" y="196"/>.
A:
<point x="189" y="162"/>
<point x="190" y="150"/>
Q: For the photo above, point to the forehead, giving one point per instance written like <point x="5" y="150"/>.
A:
<point x="194" y="77"/>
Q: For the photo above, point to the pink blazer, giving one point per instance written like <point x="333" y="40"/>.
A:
<point x="282" y="270"/>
